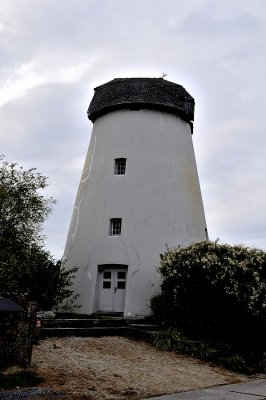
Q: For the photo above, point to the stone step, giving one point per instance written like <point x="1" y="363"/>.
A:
<point x="91" y="326"/>
<point x="145" y="327"/>
<point x="80" y="323"/>
<point x="91" y="322"/>
<point x="80" y="332"/>
<point x="97" y="331"/>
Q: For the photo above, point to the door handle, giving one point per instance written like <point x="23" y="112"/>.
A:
<point x="115" y="289"/>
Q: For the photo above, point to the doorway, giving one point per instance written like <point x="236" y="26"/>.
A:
<point x="112" y="288"/>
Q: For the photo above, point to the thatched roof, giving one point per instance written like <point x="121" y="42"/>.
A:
<point x="135" y="93"/>
<point x="7" y="305"/>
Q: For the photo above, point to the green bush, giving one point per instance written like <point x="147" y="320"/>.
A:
<point x="216" y="292"/>
<point x="13" y="343"/>
<point x="236" y="363"/>
<point x="173" y="340"/>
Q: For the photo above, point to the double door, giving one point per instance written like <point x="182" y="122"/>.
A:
<point x="112" y="291"/>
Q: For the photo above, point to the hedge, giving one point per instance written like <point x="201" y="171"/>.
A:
<point x="216" y="292"/>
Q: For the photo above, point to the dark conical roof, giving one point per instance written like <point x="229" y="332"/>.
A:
<point x="135" y="93"/>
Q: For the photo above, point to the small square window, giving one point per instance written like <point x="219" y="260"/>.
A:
<point x="121" y="285"/>
<point x="107" y="275"/>
<point x="120" y="166"/>
<point x="106" y="285"/>
<point x="115" y="226"/>
<point x="121" y="275"/>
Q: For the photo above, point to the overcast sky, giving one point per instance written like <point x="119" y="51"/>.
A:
<point x="54" y="52"/>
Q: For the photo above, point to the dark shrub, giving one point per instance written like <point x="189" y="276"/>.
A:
<point x="216" y="292"/>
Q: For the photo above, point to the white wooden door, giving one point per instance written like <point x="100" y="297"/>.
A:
<point x="112" y="291"/>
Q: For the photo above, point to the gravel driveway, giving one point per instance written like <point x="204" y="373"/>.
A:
<point x="119" y="368"/>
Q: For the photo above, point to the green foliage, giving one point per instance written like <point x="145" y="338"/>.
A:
<point x="8" y="352"/>
<point x="217" y="292"/>
<point x="13" y="338"/>
<point x="27" y="271"/>
<point x="23" y="209"/>
<point x="174" y="340"/>
<point x="236" y="363"/>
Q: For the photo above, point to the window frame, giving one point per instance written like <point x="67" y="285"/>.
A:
<point x="120" y="166"/>
<point x="115" y="228"/>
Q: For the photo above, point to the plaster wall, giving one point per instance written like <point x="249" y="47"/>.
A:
<point x="158" y="199"/>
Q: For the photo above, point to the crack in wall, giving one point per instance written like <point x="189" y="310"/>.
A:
<point x="125" y="247"/>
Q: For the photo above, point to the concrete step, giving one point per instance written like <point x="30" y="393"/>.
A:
<point x="145" y="327"/>
<point x="82" y="332"/>
<point x="80" y="323"/>
<point x="104" y="325"/>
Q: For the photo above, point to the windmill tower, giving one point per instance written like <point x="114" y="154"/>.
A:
<point x="139" y="192"/>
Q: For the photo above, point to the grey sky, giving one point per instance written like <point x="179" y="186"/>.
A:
<point x="54" y="52"/>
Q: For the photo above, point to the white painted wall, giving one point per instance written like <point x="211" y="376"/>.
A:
<point x="158" y="199"/>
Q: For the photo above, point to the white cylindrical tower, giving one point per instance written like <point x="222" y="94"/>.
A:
<point x="139" y="193"/>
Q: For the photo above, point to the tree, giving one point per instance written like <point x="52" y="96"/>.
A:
<point x="27" y="271"/>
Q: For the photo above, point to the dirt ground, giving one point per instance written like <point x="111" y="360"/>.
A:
<point x="119" y="368"/>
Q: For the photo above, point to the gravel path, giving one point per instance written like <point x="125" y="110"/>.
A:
<point x="116" y="368"/>
<point x="33" y="393"/>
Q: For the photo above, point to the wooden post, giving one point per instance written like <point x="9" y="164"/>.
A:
<point x="27" y="353"/>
